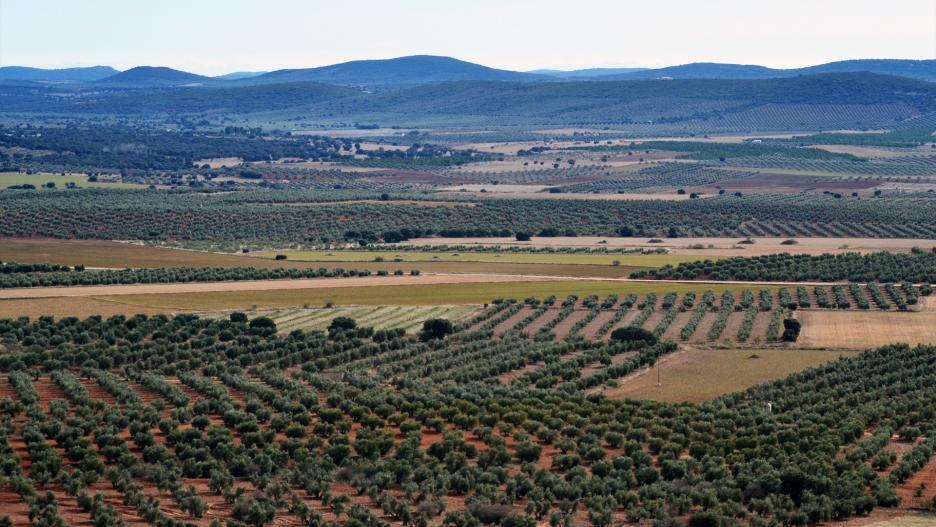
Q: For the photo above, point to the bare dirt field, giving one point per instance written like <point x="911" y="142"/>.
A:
<point x="255" y="285"/>
<point x="869" y="151"/>
<point x="785" y="183"/>
<point x="695" y="375"/>
<point x="865" y="329"/>
<point x="884" y="517"/>
<point x="77" y="306"/>
<point x="219" y="162"/>
<point x="719" y="246"/>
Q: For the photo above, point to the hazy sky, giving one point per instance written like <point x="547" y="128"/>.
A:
<point x="219" y="36"/>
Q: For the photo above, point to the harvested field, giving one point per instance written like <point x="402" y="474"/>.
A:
<point x="866" y="151"/>
<point x="696" y="375"/>
<point x="251" y="285"/>
<point x="861" y="329"/>
<point x="770" y="180"/>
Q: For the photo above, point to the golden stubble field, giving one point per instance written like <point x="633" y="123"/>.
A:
<point x="865" y="329"/>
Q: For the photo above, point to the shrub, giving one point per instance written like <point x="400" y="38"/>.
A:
<point x="263" y="323"/>
<point x="791" y="329"/>
<point x="342" y="323"/>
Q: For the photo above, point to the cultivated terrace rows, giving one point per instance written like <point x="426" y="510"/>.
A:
<point x="740" y="315"/>
<point x="183" y="420"/>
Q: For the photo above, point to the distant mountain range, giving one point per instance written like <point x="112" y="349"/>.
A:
<point x="914" y="69"/>
<point x="807" y="102"/>
<point x="153" y="75"/>
<point x="238" y="75"/>
<point x="403" y="71"/>
<point x="419" y="70"/>
<point x="22" y="73"/>
<point x="586" y="73"/>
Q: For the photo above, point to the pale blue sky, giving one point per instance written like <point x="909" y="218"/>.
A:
<point x="219" y="36"/>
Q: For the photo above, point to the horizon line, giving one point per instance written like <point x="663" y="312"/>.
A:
<point x="561" y="69"/>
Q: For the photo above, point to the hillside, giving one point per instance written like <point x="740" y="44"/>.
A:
<point x="23" y="73"/>
<point x="840" y="100"/>
<point x="915" y="69"/>
<point x="156" y="76"/>
<point x="239" y="75"/>
<point x="403" y="71"/>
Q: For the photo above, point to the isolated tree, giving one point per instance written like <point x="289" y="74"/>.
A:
<point x="342" y="324"/>
<point x="436" y="328"/>
<point x="631" y="333"/>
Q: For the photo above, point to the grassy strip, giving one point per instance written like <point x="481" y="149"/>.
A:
<point x="434" y="294"/>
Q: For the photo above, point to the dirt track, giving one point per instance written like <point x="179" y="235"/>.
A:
<point x="260" y="285"/>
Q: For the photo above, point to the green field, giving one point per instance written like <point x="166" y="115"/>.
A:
<point x="409" y="318"/>
<point x="630" y="260"/>
<point x="436" y="294"/>
<point x="8" y="179"/>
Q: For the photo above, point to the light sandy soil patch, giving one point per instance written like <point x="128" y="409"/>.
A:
<point x="326" y="165"/>
<point x="495" y="189"/>
<point x="908" y="187"/>
<point x="866" y="151"/>
<point x="254" y="285"/>
<point x="884" y="517"/>
<point x="218" y="162"/>
<point x="927" y="303"/>
<point x="695" y="375"/>
<point x="711" y="246"/>
<point x="732" y="138"/>
<point x="512" y="148"/>
<point x="386" y="146"/>
<point x="356" y="132"/>
<point x="860" y="329"/>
